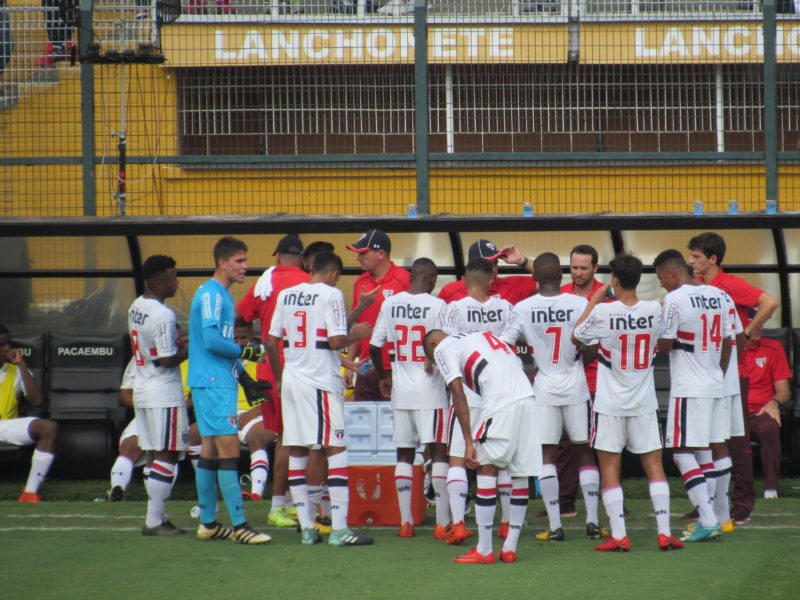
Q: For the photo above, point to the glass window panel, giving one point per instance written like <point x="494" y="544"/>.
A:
<point x="744" y="246"/>
<point x="792" y="241"/>
<point x="794" y="292"/>
<point x="533" y="243"/>
<point x="32" y="253"/>
<point x="406" y="247"/>
<point x="70" y="304"/>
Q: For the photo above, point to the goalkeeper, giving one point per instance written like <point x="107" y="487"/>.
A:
<point x="251" y="422"/>
<point x="213" y="365"/>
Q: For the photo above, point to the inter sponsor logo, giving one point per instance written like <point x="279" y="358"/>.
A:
<point x="300" y="299"/>
<point x="481" y="315"/>
<point x="409" y="311"/>
<point x="551" y="315"/>
<point x="700" y="301"/>
<point x="628" y="322"/>
<point x="137" y="317"/>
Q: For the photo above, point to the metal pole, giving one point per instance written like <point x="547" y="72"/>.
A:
<point x="121" y="195"/>
<point x="770" y="105"/>
<point x="421" y="105"/>
<point x="85" y="35"/>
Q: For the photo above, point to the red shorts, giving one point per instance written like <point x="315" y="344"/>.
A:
<point x="272" y="413"/>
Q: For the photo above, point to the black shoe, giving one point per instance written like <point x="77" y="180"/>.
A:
<point x="595" y="531"/>
<point x="691" y="516"/>
<point x="115" y="494"/>
<point x="166" y="528"/>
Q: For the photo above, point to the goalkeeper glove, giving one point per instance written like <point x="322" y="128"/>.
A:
<point x="252" y="350"/>
<point x="255" y="392"/>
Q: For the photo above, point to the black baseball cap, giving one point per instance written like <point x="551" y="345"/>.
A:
<point x="374" y="239"/>
<point x="289" y="244"/>
<point x="484" y="249"/>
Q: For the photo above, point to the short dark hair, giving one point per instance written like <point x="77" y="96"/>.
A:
<point x="627" y="268"/>
<point x="315" y="248"/>
<point x="669" y="259"/>
<point x="226" y="247"/>
<point x="241" y="322"/>
<point x="327" y="261"/>
<point x="480" y="265"/>
<point x="710" y="244"/>
<point x="155" y="266"/>
<point x="585" y="249"/>
<point x="423" y="266"/>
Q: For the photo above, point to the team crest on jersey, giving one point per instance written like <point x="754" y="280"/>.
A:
<point x="338" y="434"/>
<point x="761" y="361"/>
<point x="185" y="438"/>
<point x="387" y="293"/>
<point x="233" y="420"/>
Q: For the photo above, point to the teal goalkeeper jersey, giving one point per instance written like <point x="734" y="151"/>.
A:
<point x="212" y="308"/>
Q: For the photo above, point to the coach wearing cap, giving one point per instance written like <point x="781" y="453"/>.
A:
<point x="372" y="251"/>
<point x="512" y="288"/>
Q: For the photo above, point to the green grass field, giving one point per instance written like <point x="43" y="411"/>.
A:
<point x="71" y="547"/>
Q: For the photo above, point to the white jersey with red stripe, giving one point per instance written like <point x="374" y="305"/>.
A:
<point x="546" y="323"/>
<point x="486" y="365"/>
<point x="698" y="319"/>
<point x="154" y="331"/>
<point x="403" y="322"/>
<point x="628" y="340"/>
<point x="730" y="382"/>
<point x="306" y="315"/>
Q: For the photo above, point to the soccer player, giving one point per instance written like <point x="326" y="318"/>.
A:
<point x="503" y="429"/>
<point x="130" y="453"/>
<point x="213" y="370"/>
<point x="17" y="382"/>
<point x="512" y="288"/>
<point x="259" y="303"/>
<point x="251" y="423"/>
<point x="625" y="407"/>
<point x="755" y="307"/>
<point x="560" y="392"/>
<point x="381" y="278"/>
<point x="310" y="321"/>
<point x="161" y="417"/>
<point x="419" y="398"/>
<point x="477" y="310"/>
<point x="696" y="337"/>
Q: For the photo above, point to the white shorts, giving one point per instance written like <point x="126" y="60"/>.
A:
<point x="639" y="434"/>
<point x="132" y="430"/>
<point x="455" y="438"/>
<point x="15" y="431"/>
<point x="413" y="427"/>
<point x="163" y="428"/>
<point x="696" y="422"/>
<point x="243" y="431"/>
<point x="552" y="421"/>
<point x="736" y="414"/>
<point x="310" y="415"/>
<point x="508" y="440"/>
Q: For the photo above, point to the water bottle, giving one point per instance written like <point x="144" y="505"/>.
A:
<point x="364" y="367"/>
<point x="733" y="207"/>
<point x="772" y="206"/>
<point x="412" y="211"/>
<point x="527" y="209"/>
<point x="698" y="207"/>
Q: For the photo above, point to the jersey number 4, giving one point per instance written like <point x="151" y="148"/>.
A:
<point x="409" y="339"/>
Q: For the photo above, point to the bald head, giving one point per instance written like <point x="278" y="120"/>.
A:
<point x="431" y="340"/>
<point x="547" y="268"/>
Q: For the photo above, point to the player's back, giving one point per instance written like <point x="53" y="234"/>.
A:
<point x="153" y="331"/>
<point x="306" y="315"/>
<point x="469" y="314"/>
<point x="697" y="318"/>
<point x="488" y="367"/>
<point x="212" y="306"/>
<point x="546" y="323"/>
<point x="627" y="338"/>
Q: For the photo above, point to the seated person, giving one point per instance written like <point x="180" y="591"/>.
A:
<point x="15" y="382"/>
<point x="765" y="364"/>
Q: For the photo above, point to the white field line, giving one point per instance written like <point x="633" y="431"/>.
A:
<point x="71" y="516"/>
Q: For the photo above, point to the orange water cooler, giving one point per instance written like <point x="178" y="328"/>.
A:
<point x="373" y="496"/>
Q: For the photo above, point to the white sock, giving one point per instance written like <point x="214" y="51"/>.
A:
<point x="439" y="483"/>
<point x="259" y="471"/>
<point x="159" y="488"/>
<point x="194" y="455"/>
<point x="722" y="508"/>
<point x="277" y="502"/>
<point x="339" y="492"/>
<point x="403" y="479"/>
<point x="485" y="501"/>
<point x="40" y="465"/>
<point x="519" y="506"/>
<point x="589" y="478"/>
<point x="297" y="484"/>
<point x="314" y="500"/>
<point x="696" y="487"/>
<point x="614" y="501"/>
<point x="457" y="488"/>
<point x="121" y="472"/>
<point x="325" y="502"/>
<point x="548" y="483"/>
<point x="705" y="459"/>
<point x="659" y="494"/>
<point x="504" y="495"/>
